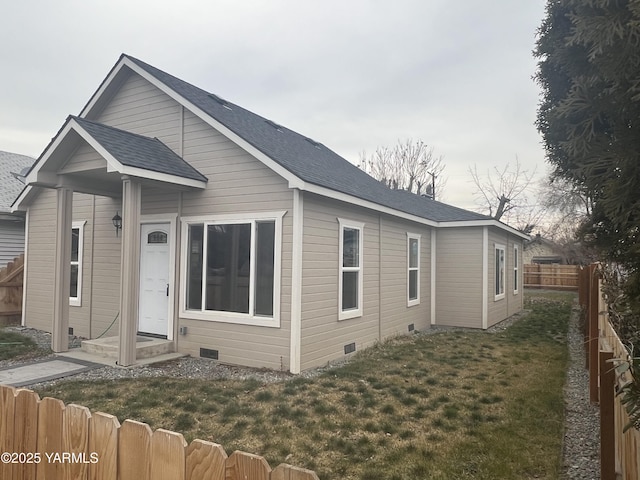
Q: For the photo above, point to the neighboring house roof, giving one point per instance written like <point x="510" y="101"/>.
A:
<point x="12" y="166"/>
<point x="138" y="151"/>
<point x="308" y="160"/>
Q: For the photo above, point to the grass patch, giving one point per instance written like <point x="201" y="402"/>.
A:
<point x="455" y="404"/>
<point x="14" y="345"/>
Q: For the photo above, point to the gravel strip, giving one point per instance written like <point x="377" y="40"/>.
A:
<point x="581" y="449"/>
<point x="581" y="452"/>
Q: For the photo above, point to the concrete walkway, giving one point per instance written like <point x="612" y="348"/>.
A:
<point x="44" y="370"/>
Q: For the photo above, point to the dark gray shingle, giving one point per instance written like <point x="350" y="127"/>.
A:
<point x="312" y="162"/>
<point x="138" y="151"/>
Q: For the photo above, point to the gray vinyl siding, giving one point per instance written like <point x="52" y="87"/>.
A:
<point x="323" y="336"/>
<point x="515" y="299"/>
<point x="40" y="255"/>
<point x="504" y="307"/>
<point x="11" y="240"/>
<point x="459" y="277"/>
<point x="141" y="108"/>
<point x="84" y="158"/>
<point x="100" y="264"/>
<point x="105" y="299"/>
<point x="79" y="315"/>
<point x="238" y="184"/>
<point x="497" y="309"/>
<point x="396" y="316"/>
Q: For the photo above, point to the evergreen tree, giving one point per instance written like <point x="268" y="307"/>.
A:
<point x="589" y="116"/>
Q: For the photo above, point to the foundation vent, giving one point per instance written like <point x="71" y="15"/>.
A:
<point x="70" y="330"/>
<point x="411" y="327"/>
<point x="350" y="348"/>
<point x="209" y="353"/>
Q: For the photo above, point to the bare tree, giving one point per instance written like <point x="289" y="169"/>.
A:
<point x="568" y="207"/>
<point x="410" y="165"/>
<point x="505" y="194"/>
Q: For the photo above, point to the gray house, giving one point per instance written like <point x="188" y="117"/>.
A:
<point x="167" y="211"/>
<point x="12" y="169"/>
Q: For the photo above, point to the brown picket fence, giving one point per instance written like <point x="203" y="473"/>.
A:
<point x="554" y="277"/>
<point x="619" y="450"/>
<point x="11" y="291"/>
<point x="46" y="439"/>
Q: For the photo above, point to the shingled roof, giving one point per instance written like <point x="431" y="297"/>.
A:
<point x="305" y="158"/>
<point x="11" y="164"/>
<point x="139" y="151"/>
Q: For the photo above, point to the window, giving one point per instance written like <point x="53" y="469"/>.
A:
<point x="157" y="237"/>
<point x="413" y="269"/>
<point x="232" y="269"/>
<point x="499" y="273"/>
<point x="350" y="280"/>
<point x="77" y="241"/>
<point x="516" y="263"/>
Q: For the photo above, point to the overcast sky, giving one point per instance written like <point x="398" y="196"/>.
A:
<point x="352" y="74"/>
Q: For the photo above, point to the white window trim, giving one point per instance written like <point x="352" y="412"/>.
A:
<point x="497" y="246"/>
<point x="415" y="301"/>
<point x="353" y="312"/>
<point x="77" y="301"/>
<point x="235" y="317"/>
<point x="516" y="270"/>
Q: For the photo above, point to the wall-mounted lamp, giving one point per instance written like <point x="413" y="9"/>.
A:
<point x="117" y="222"/>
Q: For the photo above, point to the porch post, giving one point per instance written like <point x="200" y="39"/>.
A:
<point x="129" y="271"/>
<point x="62" y="270"/>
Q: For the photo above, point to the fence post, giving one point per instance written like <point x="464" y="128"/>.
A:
<point x="584" y="326"/>
<point x="607" y="419"/>
<point x="593" y="333"/>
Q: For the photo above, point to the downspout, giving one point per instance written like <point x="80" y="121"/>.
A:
<point x="23" y="319"/>
<point x="91" y="269"/>
<point x="178" y="244"/>
<point x="176" y="276"/>
<point x="485" y="277"/>
<point x="379" y="277"/>
<point x="433" y="275"/>
<point x="296" y="283"/>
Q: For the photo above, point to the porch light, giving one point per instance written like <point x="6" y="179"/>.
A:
<point x="117" y="222"/>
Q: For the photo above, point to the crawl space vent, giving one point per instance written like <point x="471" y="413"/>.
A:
<point x="411" y="327"/>
<point x="209" y="353"/>
<point x="350" y="348"/>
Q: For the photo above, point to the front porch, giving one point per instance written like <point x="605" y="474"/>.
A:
<point x="95" y="159"/>
<point x="106" y="351"/>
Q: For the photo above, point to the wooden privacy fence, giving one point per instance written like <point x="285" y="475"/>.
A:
<point x="46" y="440"/>
<point x="11" y="290"/>
<point x="619" y="450"/>
<point x="561" y="277"/>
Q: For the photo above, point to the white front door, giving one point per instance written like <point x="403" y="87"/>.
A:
<point x="153" y="312"/>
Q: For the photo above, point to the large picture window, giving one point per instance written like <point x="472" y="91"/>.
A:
<point x="350" y="280"/>
<point x="499" y="273"/>
<point x="77" y="241"/>
<point x="232" y="267"/>
<point x="413" y="269"/>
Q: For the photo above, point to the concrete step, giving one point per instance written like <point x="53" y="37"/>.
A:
<point x="146" y="347"/>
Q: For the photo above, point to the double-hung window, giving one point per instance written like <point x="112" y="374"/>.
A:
<point x="413" y="269"/>
<point x="232" y="268"/>
<point x="75" y="286"/>
<point x="499" y="272"/>
<point x="350" y="268"/>
<point x="516" y="264"/>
